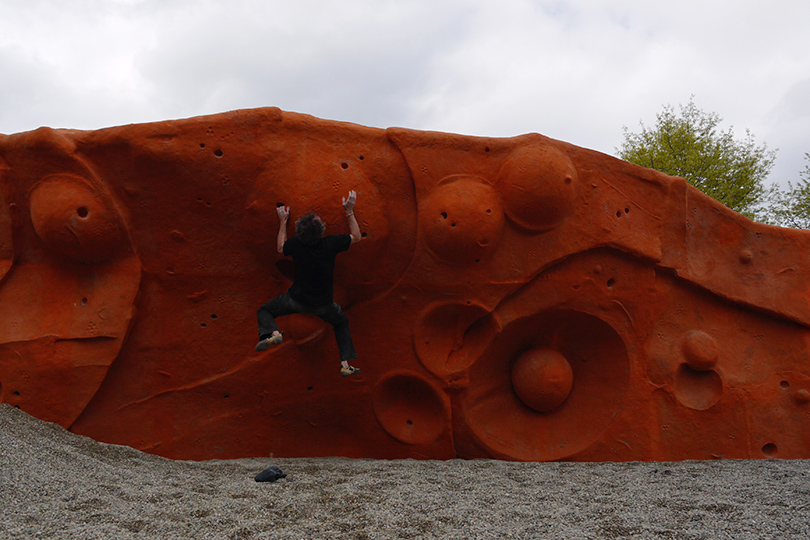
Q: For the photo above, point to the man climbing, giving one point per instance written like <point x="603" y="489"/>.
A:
<point x="313" y="285"/>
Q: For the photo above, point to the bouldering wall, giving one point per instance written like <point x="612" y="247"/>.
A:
<point x="516" y="298"/>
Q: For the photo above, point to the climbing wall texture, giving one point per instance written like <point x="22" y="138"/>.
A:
<point x="518" y="298"/>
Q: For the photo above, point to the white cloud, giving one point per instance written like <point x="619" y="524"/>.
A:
<point x="576" y="70"/>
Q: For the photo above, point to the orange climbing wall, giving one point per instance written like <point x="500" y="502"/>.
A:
<point x="516" y="298"/>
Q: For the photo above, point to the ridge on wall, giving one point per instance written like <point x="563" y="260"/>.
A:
<point x="514" y="298"/>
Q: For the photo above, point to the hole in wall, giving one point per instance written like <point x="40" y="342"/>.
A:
<point x="770" y="450"/>
<point x="213" y="315"/>
<point x="227" y="396"/>
<point x="626" y="210"/>
<point x="361" y="158"/>
<point x="409" y="422"/>
<point x="486" y="149"/>
<point x="784" y="384"/>
<point x="82" y="211"/>
<point x="363" y="235"/>
<point x="610" y="283"/>
<point x="218" y="153"/>
<point x="83" y="302"/>
<point x="202" y="145"/>
<point x="309" y="388"/>
<point x="204" y="325"/>
<point x="444" y="215"/>
<point x="16" y="393"/>
<point x="344" y="165"/>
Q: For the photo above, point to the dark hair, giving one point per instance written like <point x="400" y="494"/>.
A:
<point x="309" y="228"/>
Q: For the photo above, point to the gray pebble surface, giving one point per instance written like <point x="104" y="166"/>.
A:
<point x="55" y="484"/>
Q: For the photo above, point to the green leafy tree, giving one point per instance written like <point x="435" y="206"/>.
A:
<point x="791" y="208"/>
<point x="690" y="145"/>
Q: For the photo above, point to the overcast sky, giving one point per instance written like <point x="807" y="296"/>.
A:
<point x="575" y="70"/>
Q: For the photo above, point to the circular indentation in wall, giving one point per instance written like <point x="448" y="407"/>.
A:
<point x="218" y="153"/>
<point x="460" y="222"/>
<point x="770" y="450"/>
<point x="502" y="423"/>
<point x="542" y="378"/>
<point x="73" y="219"/>
<point x="802" y="396"/>
<point x="538" y="186"/>
<point x="410" y="409"/>
<point x="344" y="165"/>
<point x="83" y="302"/>
<point x="303" y="328"/>
<point x="698" y="390"/>
<point x="784" y="384"/>
<point x="700" y="350"/>
<point x="610" y="283"/>
<point x="439" y="336"/>
<point x="202" y="145"/>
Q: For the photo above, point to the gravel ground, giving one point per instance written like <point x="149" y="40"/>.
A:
<point x="54" y="484"/>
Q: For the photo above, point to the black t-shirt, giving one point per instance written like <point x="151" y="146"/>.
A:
<point x="315" y="268"/>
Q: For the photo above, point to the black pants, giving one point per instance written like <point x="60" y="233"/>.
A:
<point x="331" y="313"/>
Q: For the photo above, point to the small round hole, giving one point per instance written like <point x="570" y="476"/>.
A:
<point x="409" y="422"/>
<point x="83" y="302"/>
<point x="16" y="393"/>
<point x="204" y="325"/>
<point x="82" y="211"/>
<point x="618" y="213"/>
<point x="784" y="384"/>
<point x="344" y="165"/>
<point x="202" y="145"/>
<point x="486" y="149"/>
<point x="213" y="315"/>
<point x="363" y="235"/>
<point x="227" y="396"/>
<point x="568" y="180"/>
<point x="218" y="152"/>
<point x="444" y="215"/>
<point x="309" y="388"/>
<point x="769" y="450"/>
<point x="611" y="282"/>
<point x="626" y="210"/>
<point x="361" y="158"/>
